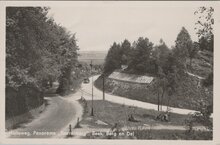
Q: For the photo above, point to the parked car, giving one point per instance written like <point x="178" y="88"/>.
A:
<point x="86" y="81"/>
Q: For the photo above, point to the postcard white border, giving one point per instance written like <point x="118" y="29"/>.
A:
<point x="216" y="116"/>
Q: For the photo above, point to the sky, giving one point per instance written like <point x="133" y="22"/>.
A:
<point x="98" y="24"/>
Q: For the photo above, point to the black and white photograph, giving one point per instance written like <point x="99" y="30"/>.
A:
<point x="109" y="70"/>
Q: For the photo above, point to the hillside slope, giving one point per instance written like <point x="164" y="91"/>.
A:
<point x="187" y="97"/>
<point x="202" y="65"/>
<point x="189" y="94"/>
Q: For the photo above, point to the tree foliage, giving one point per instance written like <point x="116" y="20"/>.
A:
<point x="113" y="59"/>
<point x="192" y="51"/>
<point x="37" y="51"/>
<point x="204" y="27"/>
<point x="125" y="51"/>
<point x="183" y="46"/>
<point x="160" y="55"/>
<point x="141" y="55"/>
<point x="36" y="47"/>
<point x="138" y="56"/>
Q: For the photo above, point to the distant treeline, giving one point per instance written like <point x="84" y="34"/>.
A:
<point x="143" y="57"/>
<point x="38" y="52"/>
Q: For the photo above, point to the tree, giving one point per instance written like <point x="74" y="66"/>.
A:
<point x="69" y="61"/>
<point x="160" y="54"/>
<point x="204" y="27"/>
<point x="159" y="87"/>
<point x="203" y="116"/>
<point x="37" y="51"/>
<point x="162" y="49"/>
<point x="208" y="81"/>
<point x="22" y="50"/>
<point x="193" y="52"/>
<point x="113" y="58"/>
<point x="167" y="80"/>
<point x="125" y="51"/>
<point x="141" y="55"/>
<point x="183" y="46"/>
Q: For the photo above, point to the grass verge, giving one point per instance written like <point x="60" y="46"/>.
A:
<point x="112" y="113"/>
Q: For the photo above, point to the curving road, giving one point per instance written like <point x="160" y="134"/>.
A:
<point x="86" y="88"/>
<point x="58" y="115"/>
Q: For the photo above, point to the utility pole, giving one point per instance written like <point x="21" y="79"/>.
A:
<point x="103" y="86"/>
<point x="92" y="113"/>
<point x="158" y="101"/>
<point x="81" y="95"/>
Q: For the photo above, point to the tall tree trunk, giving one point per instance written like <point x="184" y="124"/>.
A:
<point x="168" y="102"/>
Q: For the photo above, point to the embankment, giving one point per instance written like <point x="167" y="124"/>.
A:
<point x="21" y="104"/>
<point x="186" y="97"/>
<point x="15" y="121"/>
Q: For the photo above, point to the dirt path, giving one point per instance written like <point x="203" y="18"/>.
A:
<point x="199" y="77"/>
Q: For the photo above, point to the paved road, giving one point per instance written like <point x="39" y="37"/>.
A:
<point x="86" y="88"/>
<point x="58" y="115"/>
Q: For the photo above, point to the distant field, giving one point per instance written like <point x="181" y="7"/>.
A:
<point x="94" y="61"/>
<point x="97" y="57"/>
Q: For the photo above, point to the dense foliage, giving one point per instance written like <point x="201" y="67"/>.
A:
<point x="141" y="55"/>
<point x="113" y="58"/>
<point x="135" y="56"/>
<point x="183" y="46"/>
<point x="38" y="51"/>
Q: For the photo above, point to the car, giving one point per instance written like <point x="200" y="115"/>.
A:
<point x="86" y="81"/>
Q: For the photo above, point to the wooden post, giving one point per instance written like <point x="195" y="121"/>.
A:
<point x="70" y="130"/>
<point x="158" y="101"/>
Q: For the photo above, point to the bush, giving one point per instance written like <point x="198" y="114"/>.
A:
<point x="209" y="80"/>
<point x="22" y="100"/>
